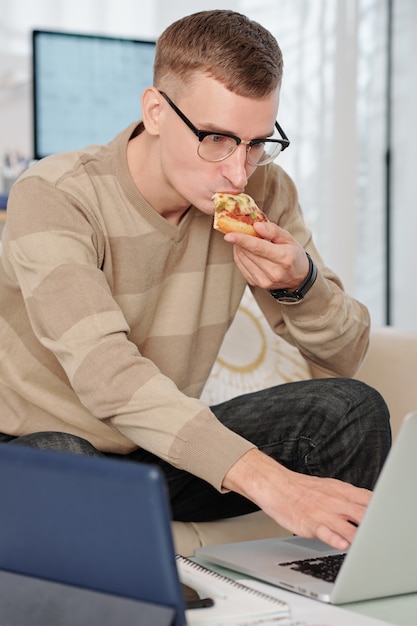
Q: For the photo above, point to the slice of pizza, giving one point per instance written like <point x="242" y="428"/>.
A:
<point x="236" y="213"/>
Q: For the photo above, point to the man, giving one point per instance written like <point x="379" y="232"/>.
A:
<point x="116" y="293"/>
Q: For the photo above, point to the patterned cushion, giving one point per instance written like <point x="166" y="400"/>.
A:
<point x="252" y="357"/>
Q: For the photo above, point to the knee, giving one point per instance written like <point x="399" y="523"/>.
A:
<point x="61" y="442"/>
<point x="369" y="408"/>
<point x="369" y="399"/>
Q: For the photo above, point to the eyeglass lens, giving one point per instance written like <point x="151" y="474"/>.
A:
<point x="219" y="147"/>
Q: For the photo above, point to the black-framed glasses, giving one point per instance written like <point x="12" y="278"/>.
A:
<point x="218" y="146"/>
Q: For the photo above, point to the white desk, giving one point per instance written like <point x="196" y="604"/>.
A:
<point x="398" y="610"/>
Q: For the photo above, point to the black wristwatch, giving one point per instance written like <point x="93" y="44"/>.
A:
<point x="283" y="295"/>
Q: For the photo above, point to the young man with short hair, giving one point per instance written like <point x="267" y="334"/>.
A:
<point x="116" y="293"/>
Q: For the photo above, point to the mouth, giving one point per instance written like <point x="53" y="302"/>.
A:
<point x="234" y="192"/>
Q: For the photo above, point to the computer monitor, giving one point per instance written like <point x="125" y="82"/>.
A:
<point x="86" y="87"/>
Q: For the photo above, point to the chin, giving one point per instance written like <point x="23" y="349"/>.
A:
<point x="205" y="206"/>
<point x="206" y="211"/>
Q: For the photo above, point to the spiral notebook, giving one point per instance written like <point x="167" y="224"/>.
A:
<point x="234" y="603"/>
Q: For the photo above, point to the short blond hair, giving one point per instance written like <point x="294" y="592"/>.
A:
<point x="227" y="46"/>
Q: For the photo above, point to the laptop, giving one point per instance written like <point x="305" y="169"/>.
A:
<point x="381" y="561"/>
<point x="98" y="525"/>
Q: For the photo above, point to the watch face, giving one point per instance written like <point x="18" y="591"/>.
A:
<point x="289" y="298"/>
<point x="286" y="296"/>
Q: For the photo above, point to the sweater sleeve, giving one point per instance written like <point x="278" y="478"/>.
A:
<point x="329" y="327"/>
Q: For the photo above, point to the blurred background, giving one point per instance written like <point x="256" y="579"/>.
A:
<point x="348" y="105"/>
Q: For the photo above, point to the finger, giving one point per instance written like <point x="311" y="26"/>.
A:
<point x="355" y="513"/>
<point x="272" y="232"/>
<point x="256" y="270"/>
<point x="340" y="527"/>
<point x="287" y="257"/>
<point x="255" y="245"/>
<point x="333" y="539"/>
<point x="361" y="496"/>
<point x="354" y="494"/>
<point x="249" y="261"/>
<point x="268" y="232"/>
<point x="337" y="531"/>
<point x="247" y="267"/>
<point x="265" y="257"/>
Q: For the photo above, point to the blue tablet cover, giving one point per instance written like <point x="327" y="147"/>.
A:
<point x="97" y="523"/>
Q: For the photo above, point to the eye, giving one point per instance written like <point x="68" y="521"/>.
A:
<point x="218" y="139"/>
<point x="258" y="145"/>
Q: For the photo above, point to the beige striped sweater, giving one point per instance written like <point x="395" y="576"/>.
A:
<point x="111" y="318"/>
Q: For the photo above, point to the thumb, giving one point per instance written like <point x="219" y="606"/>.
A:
<point x="272" y="232"/>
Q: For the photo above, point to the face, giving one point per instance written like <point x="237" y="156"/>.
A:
<point x="210" y="106"/>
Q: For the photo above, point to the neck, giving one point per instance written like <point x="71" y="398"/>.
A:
<point x="145" y="170"/>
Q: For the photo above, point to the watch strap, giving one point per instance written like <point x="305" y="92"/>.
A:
<point x="284" y="295"/>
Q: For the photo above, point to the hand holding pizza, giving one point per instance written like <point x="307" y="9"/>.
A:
<point x="269" y="257"/>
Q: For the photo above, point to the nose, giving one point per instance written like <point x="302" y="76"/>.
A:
<point x="236" y="169"/>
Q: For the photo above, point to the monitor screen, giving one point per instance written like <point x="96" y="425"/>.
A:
<point x="86" y="88"/>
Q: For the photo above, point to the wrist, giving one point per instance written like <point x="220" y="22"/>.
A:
<point x="251" y="473"/>
<point x="285" y="295"/>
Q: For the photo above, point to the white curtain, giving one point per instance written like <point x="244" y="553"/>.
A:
<point x="118" y="17"/>
<point x="334" y="108"/>
<point x="335" y="104"/>
<point x="404" y="169"/>
<point x="322" y="45"/>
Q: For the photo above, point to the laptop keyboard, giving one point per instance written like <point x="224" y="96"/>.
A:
<point x="325" y="567"/>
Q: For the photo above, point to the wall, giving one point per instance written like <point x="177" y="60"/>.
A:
<point x="15" y="110"/>
<point x="113" y="17"/>
<point x="18" y="18"/>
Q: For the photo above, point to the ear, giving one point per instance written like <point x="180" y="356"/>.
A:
<point x="151" y="109"/>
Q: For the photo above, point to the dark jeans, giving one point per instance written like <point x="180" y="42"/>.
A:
<point x="333" y="427"/>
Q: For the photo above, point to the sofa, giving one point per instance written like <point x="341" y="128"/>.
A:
<point x="267" y="360"/>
